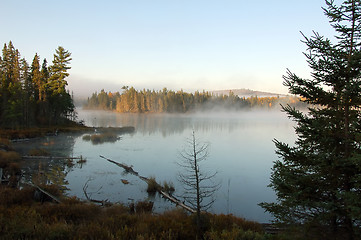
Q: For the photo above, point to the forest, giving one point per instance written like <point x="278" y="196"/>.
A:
<point x="130" y="100"/>
<point x="34" y="95"/>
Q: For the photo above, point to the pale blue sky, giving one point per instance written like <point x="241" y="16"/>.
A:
<point x="188" y="44"/>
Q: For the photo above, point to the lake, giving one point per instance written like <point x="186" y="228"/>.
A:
<point x="240" y="150"/>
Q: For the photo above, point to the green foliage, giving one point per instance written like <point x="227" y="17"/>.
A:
<point x="31" y="96"/>
<point x="58" y="71"/>
<point x="57" y="177"/>
<point x="317" y="180"/>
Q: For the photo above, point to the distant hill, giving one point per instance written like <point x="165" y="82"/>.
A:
<point x="247" y="93"/>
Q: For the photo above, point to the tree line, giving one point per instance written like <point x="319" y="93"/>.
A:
<point x="131" y="100"/>
<point x="33" y="95"/>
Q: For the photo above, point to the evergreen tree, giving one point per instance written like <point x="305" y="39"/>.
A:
<point x="27" y="92"/>
<point x="36" y="77"/>
<point x="44" y="81"/>
<point x="318" y="180"/>
<point x="59" y="70"/>
<point x="60" y="101"/>
<point x="11" y="112"/>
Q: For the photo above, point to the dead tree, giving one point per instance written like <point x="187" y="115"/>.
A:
<point x="199" y="186"/>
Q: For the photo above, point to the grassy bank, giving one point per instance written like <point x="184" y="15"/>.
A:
<point x="22" y="217"/>
<point x="24" y="214"/>
<point x="32" y="132"/>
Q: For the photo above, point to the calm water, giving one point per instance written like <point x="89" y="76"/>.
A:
<point x="241" y="151"/>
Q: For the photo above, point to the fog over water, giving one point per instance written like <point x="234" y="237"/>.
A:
<point x="241" y="151"/>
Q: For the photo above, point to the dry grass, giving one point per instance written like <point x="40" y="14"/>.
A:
<point x="168" y="187"/>
<point x="8" y="157"/>
<point x="23" y="218"/>
<point x="101" y="138"/>
<point x="38" y="152"/>
<point x="153" y="186"/>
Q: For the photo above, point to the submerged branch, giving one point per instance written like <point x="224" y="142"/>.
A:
<point x="160" y="191"/>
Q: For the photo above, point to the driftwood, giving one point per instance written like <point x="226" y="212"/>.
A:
<point x="102" y="202"/>
<point x="145" y="179"/>
<point x="126" y="168"/>
<point x="45" y="192"/>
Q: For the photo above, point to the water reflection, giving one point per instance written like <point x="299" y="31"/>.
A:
<point x="173" y="124"/>
<point x="241" y="151"/>
<point x="47" y="169"/>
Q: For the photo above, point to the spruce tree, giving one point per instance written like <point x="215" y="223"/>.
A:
<point x="318" y="179"/>
<point x="27" y="92"/>
<point x="36" y="77"/>
<point x="11" y="112"/>
<point x="44" y="80"/>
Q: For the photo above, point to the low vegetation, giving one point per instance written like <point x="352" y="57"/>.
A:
<point x="27" y="133"/>
<point x="24" y="218"/>
<point x="153" y="186"/>
<point x="101" y="138"/>
<point x="109" y="134"/>
<point x="168" y="187"/>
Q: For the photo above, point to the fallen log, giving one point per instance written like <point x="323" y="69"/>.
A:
<point x="177" y="202"/>
<point x="126" y="168"/>
<point x="45" y="192"/>
<point x="160" y="191"/>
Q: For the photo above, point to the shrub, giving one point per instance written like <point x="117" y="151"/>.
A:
<point x="12" y="196"/>
<point x="168" y="187"/>
<point x="144" y="207"/>
<point x="222" y="221"/>
<point x="86" y="137"/>
<point x="101" y="138"/>
<point x="8" y="157"/>
<point x="153" y="186"/>
<point x="5" y="144"/>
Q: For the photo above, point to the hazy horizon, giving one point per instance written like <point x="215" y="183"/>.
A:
<point x="189" y="45"/>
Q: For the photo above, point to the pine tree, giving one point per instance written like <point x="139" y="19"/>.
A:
<point x="11" y="112"/>
<point x="59" y="70"/>
<point x="318" y="180"/>
<point x="60" y="101"/>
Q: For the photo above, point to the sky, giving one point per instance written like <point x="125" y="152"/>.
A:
<point x="177" y="44"/>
